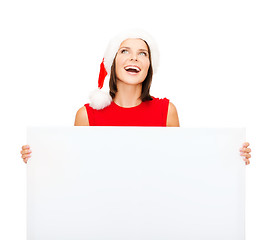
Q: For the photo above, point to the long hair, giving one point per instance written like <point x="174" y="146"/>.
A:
<point x="145" y="95"/>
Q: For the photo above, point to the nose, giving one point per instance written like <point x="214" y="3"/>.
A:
<point x="133" y="56"/>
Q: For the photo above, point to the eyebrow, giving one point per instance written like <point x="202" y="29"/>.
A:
<point x="145" y="50"/>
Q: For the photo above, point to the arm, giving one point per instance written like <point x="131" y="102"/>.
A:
<point x="81" y="118"/>
<point x="172" y="117"/>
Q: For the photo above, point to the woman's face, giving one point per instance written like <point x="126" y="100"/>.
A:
<point x="132" y="61"/>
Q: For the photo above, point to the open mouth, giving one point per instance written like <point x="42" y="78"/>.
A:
<point x="132" y="69"/>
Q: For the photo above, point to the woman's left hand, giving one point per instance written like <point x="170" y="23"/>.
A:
<point x="244" y="151"/>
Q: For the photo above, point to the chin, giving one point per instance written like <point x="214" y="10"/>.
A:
<point x="132" y="82"/>
<point x="132" y="79"/>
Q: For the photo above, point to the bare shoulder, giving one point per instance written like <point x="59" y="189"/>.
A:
<point x="81" y="118"/>
<point x="172" y="117"/>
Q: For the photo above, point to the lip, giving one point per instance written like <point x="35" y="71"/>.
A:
<point x="133" y="66"/>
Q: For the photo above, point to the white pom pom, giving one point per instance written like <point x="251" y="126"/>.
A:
<point x="99" y="99"/>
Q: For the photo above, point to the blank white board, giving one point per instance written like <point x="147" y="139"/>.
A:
<point x="135" y="183"/>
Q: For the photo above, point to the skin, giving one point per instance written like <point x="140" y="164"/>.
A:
<point x="129" y="86"/>
<point x="132" y="52"/>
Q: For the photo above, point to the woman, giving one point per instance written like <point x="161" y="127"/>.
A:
<point x="130" y="60"/>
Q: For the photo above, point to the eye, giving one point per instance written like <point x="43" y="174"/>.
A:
<point x="124" y="51"/>
<point x="143" y="53"/>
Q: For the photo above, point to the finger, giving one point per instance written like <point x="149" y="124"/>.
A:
<point x="26" y="151"/>
<point x="246" y="144"/>
<point x="27" y="155"/>
<point x="246" y="161"/>
<point x="246" y="155"/>
<point x="25" y="147"/>
<point x="248" y="150"/>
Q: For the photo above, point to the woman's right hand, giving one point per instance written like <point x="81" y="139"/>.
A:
<point x="25" y="153"/>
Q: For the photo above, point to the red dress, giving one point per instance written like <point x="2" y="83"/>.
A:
<point x="149" y="113"/>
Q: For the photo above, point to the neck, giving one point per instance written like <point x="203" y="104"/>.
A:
<point x="128" y="95"/>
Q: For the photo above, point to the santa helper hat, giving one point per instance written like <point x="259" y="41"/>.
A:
<point x="100" y="99"/>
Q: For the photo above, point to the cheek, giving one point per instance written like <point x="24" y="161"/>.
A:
<point x="146" y="65"/>
<point x="118" y="66"/>
<point x="119" y="61"/>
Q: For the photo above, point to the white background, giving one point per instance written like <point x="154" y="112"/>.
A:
<point x="211" y="68"/>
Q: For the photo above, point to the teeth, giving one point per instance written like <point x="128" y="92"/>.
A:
<point x="132" y="67"/>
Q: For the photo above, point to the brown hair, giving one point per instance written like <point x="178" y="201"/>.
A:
<point x="145" y="96"/>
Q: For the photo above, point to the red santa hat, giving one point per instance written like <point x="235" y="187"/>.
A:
<point x="100" y="99"/>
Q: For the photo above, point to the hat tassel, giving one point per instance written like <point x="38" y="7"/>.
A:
<point x="98" y="98"/>
<point x="102" y="75"/>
